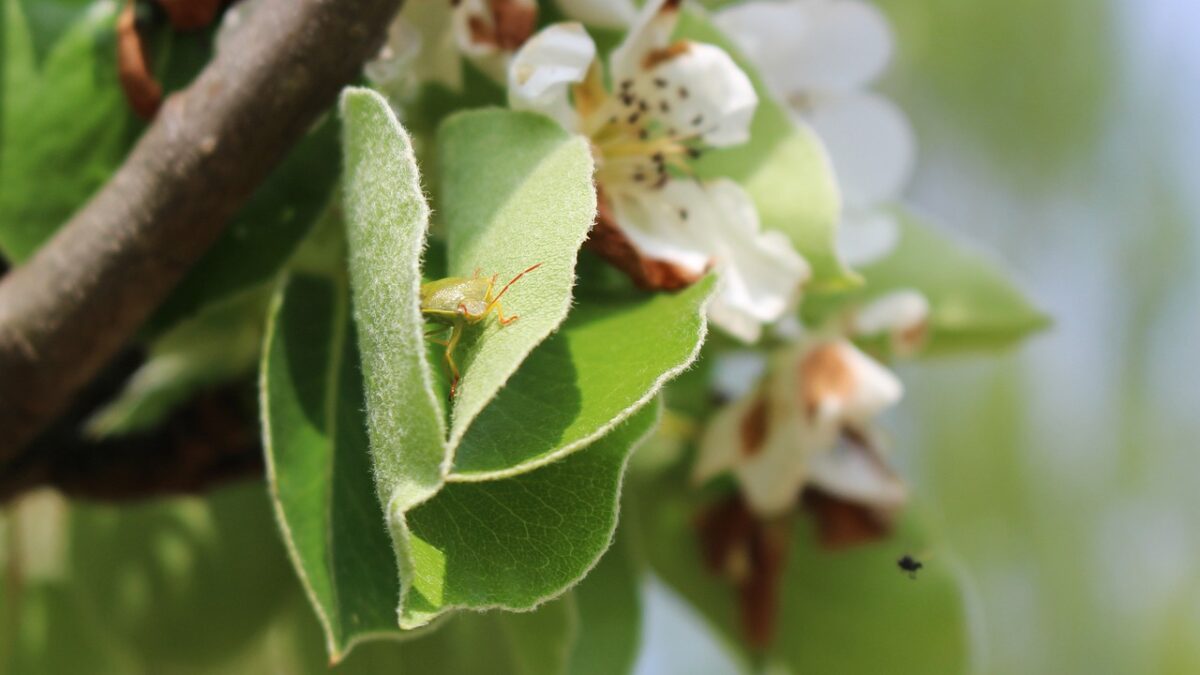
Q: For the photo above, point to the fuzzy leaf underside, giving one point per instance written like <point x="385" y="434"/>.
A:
<point x="516" y="190"/>
<point x="386" y="221"/>
<point x="511" y="543"/>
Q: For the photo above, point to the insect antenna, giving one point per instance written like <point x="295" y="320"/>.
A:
<point x="511" y="282"/>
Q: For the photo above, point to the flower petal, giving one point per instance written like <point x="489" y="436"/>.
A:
<point x="835" y="384"/>
<point x="696" y="225"/>
<point x="392" y="67"/>
<point x="544" y="68"/>
<point x="722" y="444"/>
<point x="871" y="144"/>
<point x="654" y="222"/>
<point x="771" y="482"/>
<point x="755" y="439"/>
<point x="876" y="389"/>
<point x="902" y="314"/>
<point x="854" y="473"/>
<point x="650" y="32"/>
<point x="600" y="13"/>
<point x="812" y="46"/>
<point x="698" y="90"/>
<point x="439" y="60"/>
<point x="761" y="272"/>
<point x="865" y="236"/>
<point x="485" y="28"/>
<point x="771" y="479"/>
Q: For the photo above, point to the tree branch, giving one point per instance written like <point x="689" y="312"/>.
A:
<point x="67" y="311"/>
<point x="210" y="440"/>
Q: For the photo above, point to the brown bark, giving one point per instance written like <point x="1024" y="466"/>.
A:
<point x="70" y="308"/>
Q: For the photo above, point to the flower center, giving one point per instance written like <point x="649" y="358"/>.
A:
<point x="636" y="132"/>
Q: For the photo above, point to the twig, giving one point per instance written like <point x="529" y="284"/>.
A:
<point x="211" y="440"/>
<point x="69" y="309"/>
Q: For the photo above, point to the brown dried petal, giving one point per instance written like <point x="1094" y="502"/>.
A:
<point x="842" y="524"/>
<point x="754" y="428"/>
<point x="142" y="91"/>
<point x="515" y="21"/>
<point x="657" y="57"/>
<point x="607" y="241"/>
<point x="824" y="374"/>
<point x="751" y="554"/>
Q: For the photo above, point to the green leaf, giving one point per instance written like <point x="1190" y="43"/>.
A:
<point x="610" y="613"/>
<point x="318" y="463"/>
<point x="219" y="344"/>
<point x="784" y="168"/>
<point x="142" y="589"/>
<point x="973" y="303"/>
<point x="507" y="543"/>
<point x="608" y="359"/>
<point x="66" y="127"/>
<point x="517" y="542"/>
<point x="848" y="611"/>
<point x="517" y="191"/>
<point x="265" y="232"/>
<point x="496" y="643"/>
<point x="386" y="218"/>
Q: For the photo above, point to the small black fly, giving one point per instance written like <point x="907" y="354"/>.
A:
<point x="910" y="564"/>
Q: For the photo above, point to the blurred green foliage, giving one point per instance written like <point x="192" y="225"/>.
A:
<point x="1029" y="79"/>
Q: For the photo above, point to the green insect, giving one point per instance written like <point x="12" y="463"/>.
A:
<point x="456" y="302"/>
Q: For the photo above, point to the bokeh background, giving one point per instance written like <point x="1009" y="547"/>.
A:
<point x="1064" y="135"/>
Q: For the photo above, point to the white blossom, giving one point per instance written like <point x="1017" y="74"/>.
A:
<point x="670" y="100"/>
<point x="820" y="56"/>
<point x="808" y="423"/>
<point x="901" y="315"/>
<point x="428" y="40"/>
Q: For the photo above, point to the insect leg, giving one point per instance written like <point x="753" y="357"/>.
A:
<point x="455" y="334"/>
<point x="502" y="319"/>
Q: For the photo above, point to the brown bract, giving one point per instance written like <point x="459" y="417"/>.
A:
<point x="607" y="241"/>
<point x="754" y="428"/>
<point x="510" y="25"/>
<point x="142" y="91"/>
<point x="843" y="524"/>
<point x="751" y="554"/>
